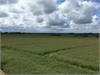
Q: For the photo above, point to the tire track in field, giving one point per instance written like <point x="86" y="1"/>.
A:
<point x="58" y="59"/>
<point x="64" y="49"/>
<point x="44" y="53"/>
<point x="77" y="64"/>
<point x="21" y="50"/>
<point x="3" y="63"/>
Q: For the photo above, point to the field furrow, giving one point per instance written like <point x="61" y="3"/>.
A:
<point x="29" y="54"/>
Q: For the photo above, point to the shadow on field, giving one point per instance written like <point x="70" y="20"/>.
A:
<point x="3" y="63"/>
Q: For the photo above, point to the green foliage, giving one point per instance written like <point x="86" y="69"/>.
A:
<point x="37" y="54"/>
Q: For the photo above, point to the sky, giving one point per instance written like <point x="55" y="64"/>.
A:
<point x="50" y="16"/>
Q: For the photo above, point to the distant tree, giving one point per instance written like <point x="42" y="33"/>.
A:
<point x="55" y="34"/>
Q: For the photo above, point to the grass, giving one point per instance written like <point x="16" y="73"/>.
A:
<point x="29" y="54"/>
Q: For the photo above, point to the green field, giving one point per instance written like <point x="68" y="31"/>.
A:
<point x="30" y="54"/>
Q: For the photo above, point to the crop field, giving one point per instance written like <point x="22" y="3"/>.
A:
<point x="30" y="54"/>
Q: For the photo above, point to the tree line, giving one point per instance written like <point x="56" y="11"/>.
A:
<point x="57" y="34"/>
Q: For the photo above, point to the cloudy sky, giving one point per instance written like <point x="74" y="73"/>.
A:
<point x="60" y="16"/>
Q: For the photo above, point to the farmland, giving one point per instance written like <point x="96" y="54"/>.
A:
<point x="37" y="54"/>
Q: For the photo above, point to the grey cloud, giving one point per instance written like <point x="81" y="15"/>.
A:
<point x="39" y="7"/>
<point x="82" y="19"/>
<point x="48" y="5"/>
<point x="3" y="14"/>
<point x="46" y="16"/>
<point x="15" y="28"/>
<point x="4" y="28"/>
<point x="36" y="11"/>
<point x="15" y="11"/>
<point x="3" y="2"/>
<point x="56" y="19"/>
<point x="12" y="1"/>
<point x="39" y="19"/>
<point x="8" y="1"/>
<point x="79" y="12"/>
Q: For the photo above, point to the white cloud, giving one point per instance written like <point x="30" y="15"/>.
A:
<point x="56" y="19"/>
<point x="80" y="12"/>
<point x="39" y="7"/>
<point x="47" y="16"/>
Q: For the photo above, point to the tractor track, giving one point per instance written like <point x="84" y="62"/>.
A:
<point x="77" y="64"/>
<point x="44" y="53"/>
<point x="64" y="49"/>
<point x="92" y="68"/>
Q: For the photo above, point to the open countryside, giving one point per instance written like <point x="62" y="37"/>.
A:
<point x="49" y="54"/>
